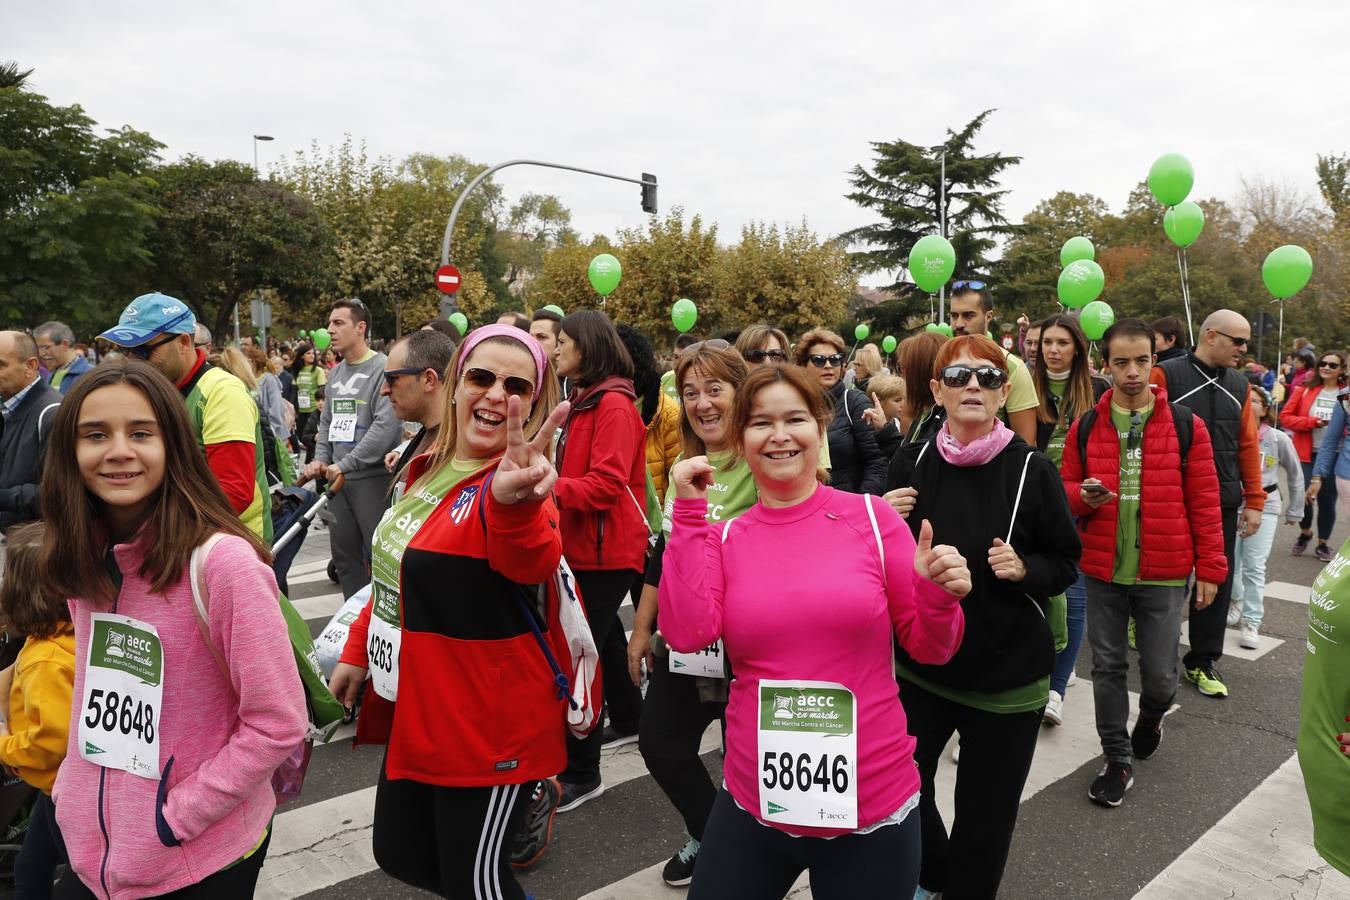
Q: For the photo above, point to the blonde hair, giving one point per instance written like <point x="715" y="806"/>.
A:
<point x="869" y="358"/>
<point x="886" y="387"/>
<point x="233" y="360"/>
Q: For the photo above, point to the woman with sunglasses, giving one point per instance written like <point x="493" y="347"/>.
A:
<point x="761" y="344"/>
<point x="1002" y="505"/>
<point x="1066" y="388"/>
<point x="856" y="463"/>
<point x="824" y="781"/>
<point x="601" y="459"/>
<point x="477" y="720"/>
<point x="687" y="692"/>
<point x="1305" y="415"/>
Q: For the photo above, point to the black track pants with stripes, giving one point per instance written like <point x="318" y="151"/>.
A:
<point x="450" y="841"/>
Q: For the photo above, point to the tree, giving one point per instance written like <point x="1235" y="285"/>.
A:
<point x="1333" y="180"/>
<point x="787" y="278"/>
<point x="11" y="76"/>
<point x="223" y="235"/>
<point x="1027" y="274"/>
<point x="75" y="209"/>
<point x="903" y="188"/>
<point x="536" y="224"/>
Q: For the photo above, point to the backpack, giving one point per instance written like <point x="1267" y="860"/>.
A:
<point x="1182" y="418"/>
<point x="581" y="686"/>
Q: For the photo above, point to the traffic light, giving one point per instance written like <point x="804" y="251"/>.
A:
<point x="648" y="192"/>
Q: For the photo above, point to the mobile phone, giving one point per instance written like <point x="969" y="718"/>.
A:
<point x="1095" y="489"/>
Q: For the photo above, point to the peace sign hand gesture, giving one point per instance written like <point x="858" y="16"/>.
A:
<point x="525" y="472"/>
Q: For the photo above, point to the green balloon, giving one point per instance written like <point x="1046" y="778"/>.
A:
<point x="684" y="314"/>
<point x="461" y="323"/>
<point x="1080" y="283"/>
<point x="604" y="272"/>
<point x="321" y="338"/>
<point x="888" y="344"/>
<point x="1286" y="270"/>
<point x="1171" y="179"/>
<point x="555" y="308"/>
<point x="1183" y="223"/>
<point x="861" y="332"/>
<point x="931" y="262"/>
<point x="1076" y="248"/>
<point x="1095" y="318"/>
<point x="939" y="328"/>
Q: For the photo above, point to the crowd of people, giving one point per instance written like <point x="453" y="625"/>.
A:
<point x="980" y="510"/>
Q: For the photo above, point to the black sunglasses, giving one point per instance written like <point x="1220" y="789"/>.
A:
<point x="393" y="375"/>
<point x="820" y="360"/>
<point x="758" y="356"/>
<point x="145" y="351"/>
<point x="1328" y="364"/>
<point x="987" y="376"/>
<point x="714" y="344"/>
<point x="1237" y="341"/>
<point x="484" y="379"/>
<point x="973" y="285"/>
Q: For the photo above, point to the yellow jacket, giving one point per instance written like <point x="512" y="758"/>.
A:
<point x="663" y="443"/>
<point x="39" y="709"/>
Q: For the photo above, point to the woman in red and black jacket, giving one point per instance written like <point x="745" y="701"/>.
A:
<point x="478" y="719"/>
<point x="601" y="460"/>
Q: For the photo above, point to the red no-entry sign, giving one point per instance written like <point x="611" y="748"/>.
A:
<point x="447" y="279"/>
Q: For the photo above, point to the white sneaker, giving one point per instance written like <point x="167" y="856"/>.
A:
<point x="956" y="752"/>
<point x="1234" y="613"/>
<point x="1249" y="636"/>
<point x="1073" y="679"/>
<point x="1054" y="709"/>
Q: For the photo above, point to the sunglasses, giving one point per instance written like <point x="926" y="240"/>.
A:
<point x="145" y="351"/>
<point x="714" y="344"/>
<point x="821" y="361"/>
<point x="393" y="375"/>
<point x="987" y="376"/>
<point x="1237" y="341"/>
<point x="758" y="356"/>
<point x="1329" y="364"/>
<point x="483" y="379"/>
<point x="972" y="285"/>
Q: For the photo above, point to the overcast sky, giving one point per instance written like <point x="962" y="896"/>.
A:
<point x="744" y="111"/>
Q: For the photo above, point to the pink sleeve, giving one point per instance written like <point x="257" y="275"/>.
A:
<point x="928" y="621"/>
<point x="245" y="622"/>
<point x="692" y="588"/>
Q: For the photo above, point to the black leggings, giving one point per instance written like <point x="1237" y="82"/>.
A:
<point x="450" y="841"/>
<point x="238" y="880"/>
<point x="744" y="859"/>
<point x="673" y="722"/>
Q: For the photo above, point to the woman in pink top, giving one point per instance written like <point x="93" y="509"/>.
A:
<point x="166" y="783"/>
<point x="819" y="771"/>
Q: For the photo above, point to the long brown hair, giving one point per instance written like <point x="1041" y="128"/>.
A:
<point x="724" y="365"/>
<point x="1077" y="397"/>
<point x="188" y="509"/>
<point x="918" y="354"/>
<point x="818" y="404"/>
<point x="30" y="608"/>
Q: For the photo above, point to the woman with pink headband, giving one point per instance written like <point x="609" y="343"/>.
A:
<point x="478" y="720"/>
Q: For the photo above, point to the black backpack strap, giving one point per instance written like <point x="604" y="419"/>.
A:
<point x="1183" y="419"/>
<point x="1085" y="423"/>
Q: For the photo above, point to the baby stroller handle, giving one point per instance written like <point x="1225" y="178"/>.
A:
<point x="300" y="525"/>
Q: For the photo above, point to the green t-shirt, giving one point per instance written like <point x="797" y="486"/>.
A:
<point x="1325" y="703"/>
<point x="1027" y="698"/>
<point x="1130" y="431"/>
<point x="732" y="492"/>
<point x="307" y="385"/>
<point x="221" y="411"/>
<point x="668" y="386"/>
<point x="1055" y="448"/>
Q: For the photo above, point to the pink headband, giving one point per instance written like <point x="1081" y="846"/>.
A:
<point x="524" y="338"/>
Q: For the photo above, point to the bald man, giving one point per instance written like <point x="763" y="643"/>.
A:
<point x="28" y="407"/>
<point x="1208" y="380"/>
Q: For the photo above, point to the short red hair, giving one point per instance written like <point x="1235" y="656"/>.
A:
<point x="975" y="345"/>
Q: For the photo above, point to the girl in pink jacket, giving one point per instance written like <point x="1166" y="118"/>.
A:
<point x="167" y="777"/>
<point x="807" y="590"/>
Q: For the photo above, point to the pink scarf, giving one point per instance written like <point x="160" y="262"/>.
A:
<point x="977" y="452"/>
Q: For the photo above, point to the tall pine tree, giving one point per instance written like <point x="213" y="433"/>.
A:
<point x="903" y="188"/>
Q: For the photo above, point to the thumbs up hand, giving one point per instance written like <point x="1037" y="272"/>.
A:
<point x="943" y="565"/>
<point x="1005" y="562"/>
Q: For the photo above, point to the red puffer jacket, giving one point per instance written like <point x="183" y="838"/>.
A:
<point x="1180" y="526"/>
<point x="602" y="469"/>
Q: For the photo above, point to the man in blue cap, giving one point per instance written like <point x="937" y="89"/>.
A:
<point x="159" y="329"/>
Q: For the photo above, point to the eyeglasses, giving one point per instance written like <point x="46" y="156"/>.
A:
<point x="972" y="285"/>
<point x="484" y="379"/>
<point x="821" y="361"/>
<point x="145" y="351"/>
<point x="714" y="344"/>
<point x="758" y="356"/>
<point x="1237" y="341"/>
<point x="987" y="376"/>
<point x="393" y="375"/>
<point x="1328" y="364"/>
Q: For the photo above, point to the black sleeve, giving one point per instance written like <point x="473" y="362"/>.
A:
<point x="871" y="463"/>
<point x="888" y="439"/>
<point x="653" y="574"/>
<point x="1050" y="544"/>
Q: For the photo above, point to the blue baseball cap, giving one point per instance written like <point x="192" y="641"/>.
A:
<point x="150" y="315"/>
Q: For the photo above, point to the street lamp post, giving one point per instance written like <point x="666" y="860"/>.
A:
<point x="256" y="138"/>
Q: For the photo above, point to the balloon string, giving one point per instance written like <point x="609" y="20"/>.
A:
<point x="932" y="310"/>
<point x="1185" y="297"/>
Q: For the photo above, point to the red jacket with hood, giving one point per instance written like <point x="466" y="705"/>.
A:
<point x="1180" y="527"/>
<point x="1296" y="418"/>
<point x="601" y="461"/>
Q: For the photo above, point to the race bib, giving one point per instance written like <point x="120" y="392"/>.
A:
<point x="708" y="662"/>
<point x="383" y="640"/>
<point x="808" y="752"/>
<point x="306" y="400"/>
<point x="123" y="695"/>
<point x="342" y="426"/>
